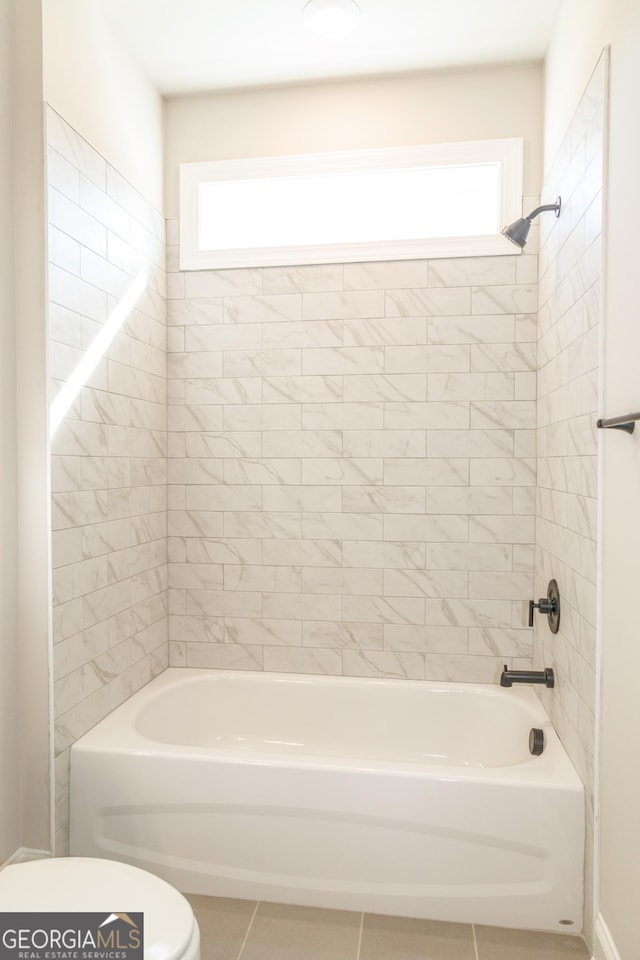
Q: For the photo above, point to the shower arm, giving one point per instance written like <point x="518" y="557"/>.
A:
<point x="545" y="206"/>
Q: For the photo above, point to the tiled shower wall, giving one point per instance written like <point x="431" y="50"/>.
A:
<point x="568" y="378"/>
<point x="109" y="452"/>
<point x="352" y="466"/>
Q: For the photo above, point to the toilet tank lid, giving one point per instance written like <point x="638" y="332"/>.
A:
<point x="83" y="884"/>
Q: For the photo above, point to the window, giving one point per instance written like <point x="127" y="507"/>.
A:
<point x="390" y="204"/>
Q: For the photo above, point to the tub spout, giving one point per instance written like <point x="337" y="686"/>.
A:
<point x="509" y="677"/>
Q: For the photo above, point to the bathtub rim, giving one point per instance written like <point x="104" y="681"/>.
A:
<point x="116" y="734"/>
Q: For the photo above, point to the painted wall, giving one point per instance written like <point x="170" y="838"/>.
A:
<point x="568" y="396"/>
<point x="9" y="760"/>
<point x="585" y="27"/>
<point x="108" y="442"/>
<point x="91" y="81"/>
<point x="33" y="588"/>
<point x="620" y="827"/>
<point x="473" y="104"/>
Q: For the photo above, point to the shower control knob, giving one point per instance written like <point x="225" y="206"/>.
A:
<point x="549" y="605"/>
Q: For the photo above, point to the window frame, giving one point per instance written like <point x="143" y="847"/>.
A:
<point x="508" y="152"/>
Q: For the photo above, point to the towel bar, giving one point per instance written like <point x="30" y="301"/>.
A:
<point x="626" y="423"/>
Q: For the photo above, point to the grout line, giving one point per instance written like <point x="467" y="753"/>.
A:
<point x="360" y="936"/>
<point x="475" y="942"/>
<point x="246" y="936"/>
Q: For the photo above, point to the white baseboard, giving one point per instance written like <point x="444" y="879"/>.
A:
<point x="23" y="854"/>
<point x="604" y="947"/>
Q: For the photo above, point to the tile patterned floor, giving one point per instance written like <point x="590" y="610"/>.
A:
<point x="245" y="930"/>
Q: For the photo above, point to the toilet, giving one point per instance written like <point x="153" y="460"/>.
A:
<point x="83" y="884"/>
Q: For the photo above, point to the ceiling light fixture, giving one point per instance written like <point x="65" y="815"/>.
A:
<point x="331" y="18"/>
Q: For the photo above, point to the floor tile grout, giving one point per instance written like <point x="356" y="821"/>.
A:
<point x="475" y="941"/>
<point x="246" y="936"/>
<point x="360" y="936"/>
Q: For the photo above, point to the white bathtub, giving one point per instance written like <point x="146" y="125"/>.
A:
<point x="389" y="796"/>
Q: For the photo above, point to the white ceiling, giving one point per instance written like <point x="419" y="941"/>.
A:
<point x="196" y="45"/>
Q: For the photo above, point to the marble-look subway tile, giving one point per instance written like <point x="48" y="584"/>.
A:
<point x="223" y="336"/>
<point x="384" y="443"/>
<point x="270" y="416"/>
<point x="264" y="363"/>
<point x="463" y="669"/>
<point x="343" y="305"/>
<point x="307" y="389"/>
<point x="503" y="414"/>
<point x="502" y="529"/>
<point x="343" y="416"/>
<point x="302" y="606"/>
<point x="500" y="642"/>
<point x="192" y="312"/>
<point x="451" y="301"/>
<point x="465" y="271"/>
<point x="302" y="443"/>
<point x="345" y="581"/>
<point x="431" y="639"/>
<point x="452" y="584"/>
<point x="303" y="553"/>
<point x="78" y="153"/>
<point x="427" y="359"/>
<point x="471" y="386"/>
<point x="215" y="497"/>
<point x="451" y="415"/>
<point x="426" y="472"/>
<point x="268" y="633"/>
<point x="225" y="603"/>
<point x="293" y="497"/>
<point x="338" y="361"/>
<point x="268" y="471"/>
<point x="503" y="356"/>
<point x="347" y="636"/>
<point x="438" y="529"/>
<point x="264" y="309"/>
<point x="277" y="579"/>
<point x="222" y="390"/>
<point x="303" y="334"/>
<point x="383" y="499"/>
<point x="384" y="609"/>
<point x="291" y="660"/>
<point x="230" y="550"/>
<point x="268" y="524"/>
<point x="316" y="278"/>
<point x="385" y="331"/>
<point x="384" y="555"/>
<point x="470" y="500"/>
<point x="470" y="556"/>
<point x="403" y="666"/>
<point x="223" y="283"/>
<point x="403" y="387"/>
<point x="472" y="330"/>
<point x="512" y="472"/>
<point x="500" y="586"/>
<point x="228" y="656"/>
<point x="516" y="298"/>
<point x="63" y="175"/>
<point x="469" y="613"/>
<point x="338" y="472"/>
<point x="385" y="275"/>
<point x="342" y="526"/>
<point x="73" y="220"/>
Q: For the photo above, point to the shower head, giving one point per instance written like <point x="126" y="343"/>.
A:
<point x="518" y="231"/>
